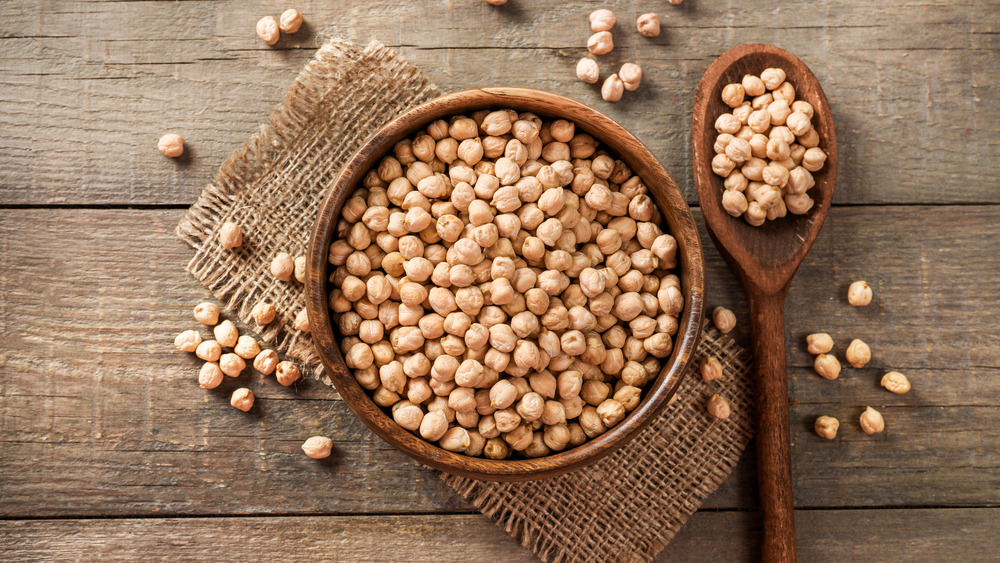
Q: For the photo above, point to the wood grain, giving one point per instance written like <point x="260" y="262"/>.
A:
<point x="100" y="416"/>
<point x="87" y="88"/>
<point x="824" y="535"/>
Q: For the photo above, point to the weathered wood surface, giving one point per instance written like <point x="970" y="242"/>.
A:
<point x="87" y="88"/>
<point x="101" y="417"/>
<point x="874" y="535"/>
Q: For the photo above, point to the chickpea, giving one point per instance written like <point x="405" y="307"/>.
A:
<point x="858" y="353"/>
<point x="611" y="412"/>
<point x="602" y="20"/>
<point x="819" y="343"/>
<point x="630" y="75"/>
<point x="231" y="364"/>
<point x="208" y="350"/>
<point x="732" y="94"/>
<point x="613" y="87"/>
<point x="871" y="421"/>
<point x="242" y="399"/>
<point x="591" y="423"/>
<point x="648" y="26"/>
<point x="827" y="366"/>
<point x="826" y="427"/>
<point x="711" y="369"/>
<point x="267" y="30"/>
<point x="718" y="407"/>
<point x="189" y="340"/>
<point x="600" y="43"/>
<point x="895" y="382"/>
<point x="859" y="294"/>
<point x="724" y="319"/>
<point x="587" y="71"/>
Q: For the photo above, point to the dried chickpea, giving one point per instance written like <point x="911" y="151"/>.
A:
<point x="210" y="376"/>
<point x="819" y="343"/>
<point x="648" y="25"/>
<point x="826" y="427"/>
<point x="206" y="313"/>
<point x="630" y="75"/>
<point x="242" y="399"/>
<point x="267" y="30"/>
<point x="287" y="373"/>
<point x="895" y="382"/>
<point x="602" y="20"/>
<point x="208" y="350"/>
<point x="230" y="235"/>
<point x="290" y="22"/>
<point x="859" y="294"/>
<point x="171" y="145"/>
<point x="871" y="421"/>
<point x="247" y="347"/>
<point x="858" y="353"/>
<point x="263" y="313"/>
<point x="711" y="368"/>
<point x="187" y="341"/>
<point x="612" y="89"/>
<point x="600" y="43"/>
<point x="266" y="361"/>
<point x="718" y="407"/>
<point x="827" y="366"/>
<point x="724" y="319"/>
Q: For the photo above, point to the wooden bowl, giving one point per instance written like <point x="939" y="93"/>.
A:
<point x="613" y="136"/>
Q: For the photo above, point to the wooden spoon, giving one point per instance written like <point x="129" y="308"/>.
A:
<point x="764" y="259"/>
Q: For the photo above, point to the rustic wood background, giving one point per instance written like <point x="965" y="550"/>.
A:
<point x="108" y="449"/>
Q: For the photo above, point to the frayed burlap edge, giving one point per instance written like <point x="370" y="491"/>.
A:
<point x="273" y="185"/>
<point x="628" y="506"/>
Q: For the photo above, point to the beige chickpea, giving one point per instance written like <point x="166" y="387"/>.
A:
<point x="738" y="151"/>
<point x="827" y="366"/>
<point x="611" y="412"/>
<point x="210" y="376"/>
<point x="798" y="123"/>
<point x="895" y="382"/>
<point x="761" y="101"/>
<point x="711" y="368"/>
<point x="753" y="169"/>
<point x="772" y="77"/>
<point x="722" y="165"/>
<point x="208" y="350"/>
<point x="462" y="399"/>
<point x="871" y="421"/>
<point x="859" y="294"/>
<point x="299" y="268"/>
<point x="727" y="123"/>
<point x="648" y="25"/>
<point x="171" y="145"/>
<point x="798" y="204"/>
<point x="858" y="353"/>
<point x="718" y="407"/>
<point x="267" y="30"/>
<point x="785" y="91"/>
<point x="556" y="436"/>
<point x="734" y="202"/>
<point x="630" y="75"/>
<point x="732" y="94"/>
<point x="408" y="415"/>
<point x="613" y="88"/>
<point x="263" y="313"/>
<point x="247" y="347"/>
<point x="819" y="343"/>
<point x="602" y="20"/>
<point x="775" y="175"/>
<point x="242" y="399"/>
<point x="455" y="440"/>
<point x="587" y="71"/>
<point x="753" y="85"/>
<point x="724" y="319"/>
<point x="266" y="361"/>
<point x="496" y="448"/>
<point x="433" y="426"/>
<point x="758" y="146"/>
<point x="206" y="313"/>
<point x="530" y="407"/>
<point x="777" y="149"/>
<point x="779" y="112"/>
<point x="800" y="180"/>
<point x="290" y="21"/>
<point x="188" y="341"/>
<point x="230" y="235"/>
<point x="826" y="427"/>
<point x="591" y="423"/>
<point x="600" y="43"/>
<point x="520" y="438"/>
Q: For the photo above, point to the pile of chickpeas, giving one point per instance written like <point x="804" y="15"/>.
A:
<point x="767" y="149"/>
<point x="502" y="285"/>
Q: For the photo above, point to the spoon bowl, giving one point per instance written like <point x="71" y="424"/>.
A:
<point x="765" y="259"/>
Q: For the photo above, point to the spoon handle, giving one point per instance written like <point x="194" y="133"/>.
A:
<point x="774" y="464"/>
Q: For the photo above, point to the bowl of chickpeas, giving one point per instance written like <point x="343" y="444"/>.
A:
<point x="505" y="284"/>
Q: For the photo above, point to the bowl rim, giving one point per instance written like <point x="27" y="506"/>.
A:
<point x="626" y="147"/>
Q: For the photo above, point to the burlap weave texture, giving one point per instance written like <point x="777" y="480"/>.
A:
<point x="624" y="508"/>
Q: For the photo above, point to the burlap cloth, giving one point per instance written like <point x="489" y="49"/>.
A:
<point x="624" y="508"/>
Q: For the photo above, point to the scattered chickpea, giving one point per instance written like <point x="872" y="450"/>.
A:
<point x="290" y="21"/>
<point x="210" y="376"/>
<point x="300" y="269"/>
<point x="287" y="373"/>
<point x="206" y="313"/>
<point x="648" y="25"/>
<point x="247" y="347"/>
<point x="187" y="341"/>
<point x="872" y="421"/>
<point x="858" y="353"/>
<point x="232" y="364"/>
<point x="724" y="319"/>
<point x="301" y="322"/>
<point x="242" y="399"/>
<point x="171" y="145"/>
<point x="896" y="382"/>
<point x="819" y="343"/>
<point x="282" y="267"/>
<point x="267" y="30"/>
<point x="602" y="20"/>
<point x="718" y="407"/>
<point x="827" y="366"/>
<point x="318" y="447"/>
<point x="711" y="368"/>
<point x="588" y="71"/>
<point x="263" y="313"/>
<point x="630" y="75"/>
<point x="266" y="361"/>
<point x="859" y="294"/>
<point x="600" y="43"/>
<point x="612" y="89"/>
<point x="226" y="333"/>
<point x="230" y="235"/>
<point x="826" y="427"/>
<point x="208" y="350"/>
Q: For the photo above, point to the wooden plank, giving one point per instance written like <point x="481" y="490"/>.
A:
<point x="100" y="416"/>
<point x="823" y="535"/>
<point x="88" y="88"/>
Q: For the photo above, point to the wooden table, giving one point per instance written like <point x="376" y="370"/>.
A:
<point x="108" y="448"/>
